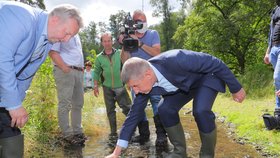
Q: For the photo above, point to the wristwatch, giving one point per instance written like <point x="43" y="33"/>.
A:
<point x="141" y="44"/>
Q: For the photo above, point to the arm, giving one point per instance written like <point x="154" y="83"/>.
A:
<point x="15" y="43"/>
<point x="95" y="88"/>
<point x="136" y="114"/>
<point x="201" y="63"/>
<point x="266" y="56"/>
<point x="124" y="55"/>
<point x="56" y="58"/>
<point x="97" y="73"/>
<point x="153" y="51"/>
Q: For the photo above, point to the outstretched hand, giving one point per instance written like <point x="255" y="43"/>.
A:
<point x="112" y="156"/>
<point x="116" y="153"/>
<point x="239" y="96"/>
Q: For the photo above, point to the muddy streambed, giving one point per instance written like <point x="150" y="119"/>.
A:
<point x="97" y="144"/>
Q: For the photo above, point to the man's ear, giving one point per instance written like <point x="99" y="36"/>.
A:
<point x="149" y="74"/>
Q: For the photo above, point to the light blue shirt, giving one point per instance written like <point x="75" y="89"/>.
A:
<point x="150" y="38"/>
<point x="162" y="82"/>
<point x="23" y="48"/>
<point x="71" y="51"/>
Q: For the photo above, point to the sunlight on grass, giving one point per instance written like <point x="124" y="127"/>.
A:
<point x="247" y="118"/>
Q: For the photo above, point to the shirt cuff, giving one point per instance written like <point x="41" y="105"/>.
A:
<point x="122" y="143"/>
<point x="13" y="108"/>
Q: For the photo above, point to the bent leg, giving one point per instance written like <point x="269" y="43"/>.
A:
<point x="204" y="98"/>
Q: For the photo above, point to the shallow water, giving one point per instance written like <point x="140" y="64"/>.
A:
<point x="97" y="144"/>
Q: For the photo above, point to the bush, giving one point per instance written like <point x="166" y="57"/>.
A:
<point x="258" y="81"/>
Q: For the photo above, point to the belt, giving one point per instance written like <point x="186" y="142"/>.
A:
<point x="275" y="43"/>
<point x="77" y="68"/>
<point x="3" y="110"/>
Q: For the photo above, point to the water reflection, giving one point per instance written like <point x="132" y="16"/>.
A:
<point x="73" y="151"/>
<point x="99" y="146"/>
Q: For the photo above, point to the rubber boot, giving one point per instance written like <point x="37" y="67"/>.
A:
<point x="177" y="139"/>
<point x="161" y="141"/>
<point x="144" y="132"/>
<point x="113" y="124"/>
<point x="208" y="143"/>
<point x="12" y="147"/>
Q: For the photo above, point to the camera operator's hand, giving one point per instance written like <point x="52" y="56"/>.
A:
<point x="19" y="117"/>
<point x="120" y="38"/>
<point x="134" y="37"/>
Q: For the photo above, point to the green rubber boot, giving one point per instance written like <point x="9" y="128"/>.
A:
<point x="208" y="144"/>
<point x="177" y="138"/>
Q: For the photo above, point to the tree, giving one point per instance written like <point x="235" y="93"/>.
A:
<point x="171" y="20"/>
<point x="116" y="22"/>
<point x="234" y="30"/>
<point x="35" y="3"/>
<point x="89" y="41"/>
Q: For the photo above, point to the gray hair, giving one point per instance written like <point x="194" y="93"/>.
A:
<point x="134" y="68"/>
<point x="138" y="12"/>
<point x="65" y="11"/>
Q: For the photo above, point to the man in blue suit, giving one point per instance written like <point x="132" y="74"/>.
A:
<point x="26" y="36"/>
<point x="179" y="76"/>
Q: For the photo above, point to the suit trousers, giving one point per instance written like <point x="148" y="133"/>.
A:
<point x="70" y="94"/>
<point x="203" y="99"/>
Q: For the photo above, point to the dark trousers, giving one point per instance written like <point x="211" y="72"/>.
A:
<point x="203" y="99"/>
<point x="5" y="125"/>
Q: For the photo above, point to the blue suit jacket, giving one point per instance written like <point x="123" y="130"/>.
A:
<point x="21" y="29"/>
<point x="185" y="70"/>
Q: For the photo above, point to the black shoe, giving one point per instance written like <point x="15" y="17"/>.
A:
<point x="72" y="140"/>
<point x="113" y="137"/>
<point x="81" y="136"/>
<point x="140" y="139"/>
<point x="161" y="145"/>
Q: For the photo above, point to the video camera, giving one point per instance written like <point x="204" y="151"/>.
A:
<point x="128" y="29"/>
<point x="272" y="122"/>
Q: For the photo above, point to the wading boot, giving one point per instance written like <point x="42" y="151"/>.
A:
<point x="208" y="143"/>
<point x="144" y="133"/>
<point x="161" y="141"/>
<point x="177" y="139"/>
<point x="12" y="147"/>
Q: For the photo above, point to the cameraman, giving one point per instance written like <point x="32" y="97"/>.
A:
<point x="148" y="47"/>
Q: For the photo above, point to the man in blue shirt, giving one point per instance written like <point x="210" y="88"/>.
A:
<point x="68" y="60"/>
<point x="26" y="36"/>
<point x="179" y="76"/>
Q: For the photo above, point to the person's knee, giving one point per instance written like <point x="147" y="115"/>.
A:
<point x="168" y="117"/>
<point x="205" y="120"/>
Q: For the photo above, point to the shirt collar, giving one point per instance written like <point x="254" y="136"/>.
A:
<point x="159" y="76"/>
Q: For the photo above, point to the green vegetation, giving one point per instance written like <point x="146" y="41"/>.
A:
<point x="247" y="117"/>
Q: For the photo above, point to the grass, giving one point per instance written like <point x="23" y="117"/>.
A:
<point x="247" y="118"/>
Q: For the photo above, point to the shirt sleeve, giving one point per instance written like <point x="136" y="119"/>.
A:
<point x="15" y="37"/>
